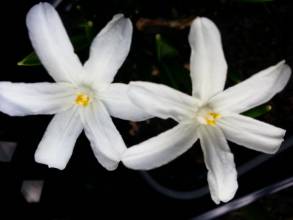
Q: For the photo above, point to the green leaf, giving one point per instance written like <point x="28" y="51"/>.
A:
<point x="164" y="49"/>
<point x="258" y="111"/>
<point x="30" y="60"/>
<point x="173" y="72"/>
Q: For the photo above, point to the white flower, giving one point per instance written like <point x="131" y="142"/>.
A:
<point x="210" y="114"/>
<point x="83" y="96"/>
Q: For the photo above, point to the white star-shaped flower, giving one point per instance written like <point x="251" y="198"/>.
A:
<point x="210" y="114"/>
<point x="83" y="96"/>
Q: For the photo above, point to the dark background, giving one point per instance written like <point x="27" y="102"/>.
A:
<point x="255" y="35"/>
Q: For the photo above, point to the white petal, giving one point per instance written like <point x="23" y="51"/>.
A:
<point x="222" y="175"/>
<point x="109" y="50"/>
<point x="208" y="67"/>
<point x="252" y="133"/>
<point x="116" y="99"/>
<point x="52" y="44"/>
<point x="254" y="91"/>
<point x="162" y="101"/>
<point x="19" y="99"/>
<point x="105" y="139"/>
<point x="56" y="147"/>
<point x="161" y="149"/>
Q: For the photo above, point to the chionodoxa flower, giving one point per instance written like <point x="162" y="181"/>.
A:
<point x="210" y="114"/>
<point x="83" y="96"/>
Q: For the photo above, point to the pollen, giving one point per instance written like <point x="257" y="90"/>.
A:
<point x="82" y="99"/>
<point x="211" y="118"/>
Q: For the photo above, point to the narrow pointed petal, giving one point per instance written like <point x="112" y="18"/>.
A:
<point x="56" y="147"/>
<point x="52" y="43"/>
<point x="19" y="99"/>
<point x="252" y="133"/>
<point x="161" y="149"/>
<point x="104" y="137"/>
<point x="162" y="101"/>
<point x="109" y="50"/>
<point x="208" y="67"/>
<point x="254" y="91"/>
<point x="222" y="174"/>
<point x="117" y="101"/>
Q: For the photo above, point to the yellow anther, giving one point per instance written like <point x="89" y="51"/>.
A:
<point x="211" y="118"/>
<point x="82" y="99"/>
<point x="215" y="115"/>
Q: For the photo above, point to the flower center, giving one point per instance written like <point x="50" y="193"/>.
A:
<point x="82" y="99"/>
<point x="207" y="116"/>
<point x="211" y="118"/>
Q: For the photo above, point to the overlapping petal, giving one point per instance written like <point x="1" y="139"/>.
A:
<point x="119" y="105"/>
<point x="161" y="149"/>
<point x="19" y="99"/>
<point x="109" y="50"/>
<point x="208" y="67"/>
<point x="105" y="139"/>
<point x="254" y="91"/>
<point x="56" y="147"/>
<point x="222" y="174"/>
<point x="52" y="43"/>
<point x="252" y="133"/>
<point x="162" y="101"/>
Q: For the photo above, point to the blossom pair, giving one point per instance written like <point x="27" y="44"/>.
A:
<point x="84" y="97"/>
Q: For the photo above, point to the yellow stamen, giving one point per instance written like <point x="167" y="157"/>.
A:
<point x="211" y="118"/>
<point x="215" y="115"/>
<point x="82" y="99"/>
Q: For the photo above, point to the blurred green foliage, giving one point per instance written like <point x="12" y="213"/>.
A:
<point x="164" y="49"/>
